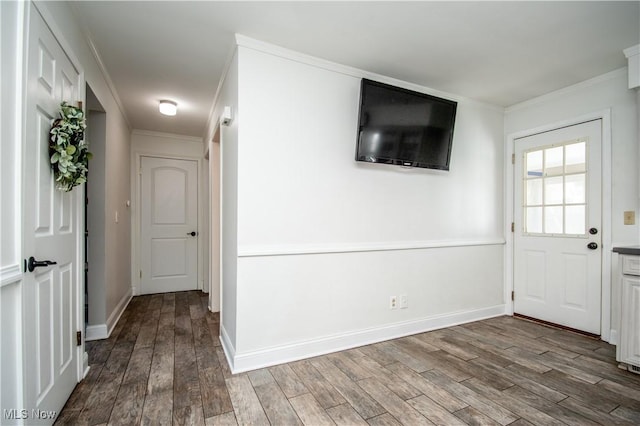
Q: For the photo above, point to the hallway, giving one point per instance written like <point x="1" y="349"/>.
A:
<point x="163" y="364"/>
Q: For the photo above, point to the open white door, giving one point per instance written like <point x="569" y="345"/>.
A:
<point x="169" y="225"/>
<point x="557" y="233"/>
<point x="50" y="293"/>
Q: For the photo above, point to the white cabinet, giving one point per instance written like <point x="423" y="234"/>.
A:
<point x="629" y="347"/>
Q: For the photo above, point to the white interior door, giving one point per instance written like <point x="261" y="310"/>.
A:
<point x="50" y="295"/>
<point x="169" y="225"/>
<point x="557" y="238"/>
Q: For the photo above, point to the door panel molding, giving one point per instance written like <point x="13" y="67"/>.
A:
<point x="142" y="265"/>
<point x="607" y="333"/>
<point x="51" y="304"/>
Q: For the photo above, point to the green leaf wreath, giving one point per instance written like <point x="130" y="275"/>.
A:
<point x="68" y="150"/>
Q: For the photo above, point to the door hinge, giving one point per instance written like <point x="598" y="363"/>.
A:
<point x="513" y="295"/>
<point x="78" y="338"/>
<point x="513" y="158"/>
<point x="513" y="227"/>
<point x="140" y="273"/>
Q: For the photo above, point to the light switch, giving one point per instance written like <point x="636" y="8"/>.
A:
<point x="630" y="217"/>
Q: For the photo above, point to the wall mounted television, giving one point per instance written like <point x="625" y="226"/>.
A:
<point x="402" y="127"/>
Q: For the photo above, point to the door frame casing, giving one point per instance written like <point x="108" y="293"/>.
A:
<point x="136" y="219"/>
<point x="607" y="334"/>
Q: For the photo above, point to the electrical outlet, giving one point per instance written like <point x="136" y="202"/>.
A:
<point x="393" y="302"/>
<point x="630" y="217"/>
<point x="404" y="301"/>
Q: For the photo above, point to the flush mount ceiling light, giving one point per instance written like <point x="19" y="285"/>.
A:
<point x="168" y="107"/>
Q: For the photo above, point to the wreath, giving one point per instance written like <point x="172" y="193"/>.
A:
<point x="67" y="148"/>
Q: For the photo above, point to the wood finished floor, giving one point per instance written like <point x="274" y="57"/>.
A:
<point x="163" y="364"/>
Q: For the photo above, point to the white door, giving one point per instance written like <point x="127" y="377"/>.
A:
<point x="50" y="295"/>
<point x="557" y="238"/>
<point x="169" y="225"/>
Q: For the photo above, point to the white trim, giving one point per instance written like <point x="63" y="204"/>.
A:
<point x="227" y="347"/>
<point x="296" y="249"/>
<point x="607" y="224"/>
<point x="632" y="51"/>
<point x="85" y="363"/>
<point x="11" y="273"/>
<point x="80" y="260"/>
<point x="103" y="69"/>
<point x="96" y="332"/>
<point x="183" y="138"/>
<point x="118" y="311"/>
<point x="268" y="48"/>
<point x="567" y="90"/>
<point x="264" y="47"/>
<point x="605" y="117"/>
<point x="241" y="362"/>
<point x="613" y="337"/>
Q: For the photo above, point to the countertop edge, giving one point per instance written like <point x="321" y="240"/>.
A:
<point x="634" y="250"/>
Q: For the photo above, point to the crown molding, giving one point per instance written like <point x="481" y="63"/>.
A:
<point x="103" y="69"/>
<point x="155" y="134"/>
<point x="264" y="47"/>
<point x="612" y="75"/>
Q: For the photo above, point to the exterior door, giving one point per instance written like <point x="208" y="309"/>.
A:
<point x="169" y="228"/>
<point x="557" y="238"/>
<point x="50" y="294"/>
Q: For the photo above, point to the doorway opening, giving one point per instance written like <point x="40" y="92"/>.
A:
<point x="95" y="221"/>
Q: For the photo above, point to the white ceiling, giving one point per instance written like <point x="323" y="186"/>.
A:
<point x="500" y="53"/>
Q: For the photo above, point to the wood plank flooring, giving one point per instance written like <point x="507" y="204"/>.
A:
<point x="163" y="365"/>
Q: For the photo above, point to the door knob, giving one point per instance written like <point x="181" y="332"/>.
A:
<point x="593" y="231"/>
<point x="592" y="246"/>
<point x="32" y="263"/>
<point x="192" y="233"/>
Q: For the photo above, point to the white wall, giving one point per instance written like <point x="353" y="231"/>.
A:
<point x="324" y="241"/>
<point x="96" y="220"/>
<point x="146" y="143"/>
<point x="605" y="92"/>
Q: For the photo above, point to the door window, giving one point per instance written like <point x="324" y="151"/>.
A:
<point x="554" y="195"/>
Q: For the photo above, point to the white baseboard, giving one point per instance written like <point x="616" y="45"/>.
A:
<point x="118" y="311"/>
<point x="96" y="332"/>
<point x="241" y="362"/>
<point x="227" y="347"/>
<point x="103" y="331"/>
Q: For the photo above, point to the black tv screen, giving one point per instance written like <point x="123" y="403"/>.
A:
<point x="403" y="127"/>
